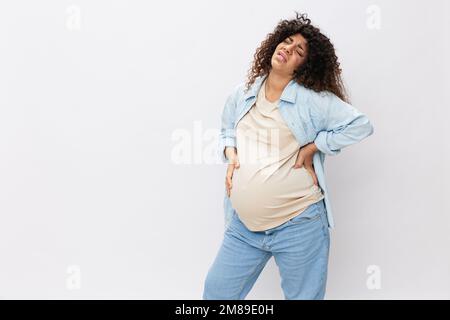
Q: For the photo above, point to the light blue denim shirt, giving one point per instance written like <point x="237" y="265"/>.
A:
<point x="322" y="118"/>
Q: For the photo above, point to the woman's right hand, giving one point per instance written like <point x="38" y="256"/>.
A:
<point x="233" y="163"/>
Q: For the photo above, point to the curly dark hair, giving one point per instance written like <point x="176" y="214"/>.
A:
<point x="321" y="69"/>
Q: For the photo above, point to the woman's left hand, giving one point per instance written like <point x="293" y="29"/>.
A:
<point x="305" y="157"/>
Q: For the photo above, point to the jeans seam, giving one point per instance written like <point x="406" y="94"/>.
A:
<point x="255" y="269"/>
<point x="324" y="223"/>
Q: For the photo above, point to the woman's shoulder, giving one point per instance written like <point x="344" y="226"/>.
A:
<point x="318" y="98"/>
<point x="324" y="102"/>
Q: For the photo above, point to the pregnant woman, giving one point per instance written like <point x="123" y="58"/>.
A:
<point x="276" y="131"/>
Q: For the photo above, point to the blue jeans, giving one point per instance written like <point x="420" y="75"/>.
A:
<point x="300" y="247"/>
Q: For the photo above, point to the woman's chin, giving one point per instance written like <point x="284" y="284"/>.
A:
<point x="277" y="66"/>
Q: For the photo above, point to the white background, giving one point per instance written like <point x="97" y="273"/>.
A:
<point x="96" y="202"/>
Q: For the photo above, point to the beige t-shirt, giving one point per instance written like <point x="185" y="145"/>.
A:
<point x="266" y="190"/>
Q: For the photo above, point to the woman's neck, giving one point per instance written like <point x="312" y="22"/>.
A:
<point x="275" y="84"/>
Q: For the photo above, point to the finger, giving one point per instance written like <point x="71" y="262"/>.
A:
<point x="228" y="178"/>
<point x="308" y="162"/>
<point x="237" y="163"/>
<point x="313" y="174"/>
<point x="299" y="160"/>
<point x="230" y="170"/>
<point x="229" y="186"/>
<point x="298" y="163"/>
<point x="228" y="182"/>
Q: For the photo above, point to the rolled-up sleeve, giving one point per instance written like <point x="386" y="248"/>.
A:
<point x="227" y="135"/>
<point x="341" y="123"/>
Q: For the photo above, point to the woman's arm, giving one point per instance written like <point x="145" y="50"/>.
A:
<point x="341" y="124"/>
<point x="227" y="136"/>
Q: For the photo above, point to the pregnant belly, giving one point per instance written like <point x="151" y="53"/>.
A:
<point x="263" y="193"/>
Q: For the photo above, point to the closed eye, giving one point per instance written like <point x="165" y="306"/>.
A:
<point x="286" y="40"/>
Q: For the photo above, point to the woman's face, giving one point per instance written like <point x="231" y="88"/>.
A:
<point x="290" y="54"/>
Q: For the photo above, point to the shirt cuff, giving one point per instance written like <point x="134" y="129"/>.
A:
<point x="225" y="142"/>
<point x="323" y="146"/>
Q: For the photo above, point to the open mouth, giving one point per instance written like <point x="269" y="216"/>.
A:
<point x="281" y="56"/>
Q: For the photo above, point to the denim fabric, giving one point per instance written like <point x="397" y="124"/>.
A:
<point x="319" y="117"/>
<point x="300" y="248"/>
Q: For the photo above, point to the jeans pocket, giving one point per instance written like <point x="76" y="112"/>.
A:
<point x="310" y="214"/>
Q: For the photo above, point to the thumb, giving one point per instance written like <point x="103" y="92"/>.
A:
<point x="236" y="163"/>
<point x="298" y="163"/>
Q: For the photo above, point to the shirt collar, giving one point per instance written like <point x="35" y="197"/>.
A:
<point x="289" y="93"/>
